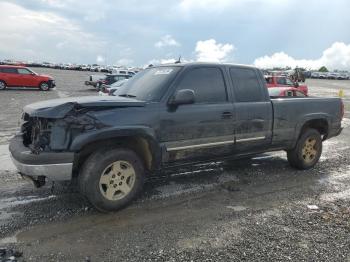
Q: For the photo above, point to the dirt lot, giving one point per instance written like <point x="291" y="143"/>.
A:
<point x="257" y="210"/>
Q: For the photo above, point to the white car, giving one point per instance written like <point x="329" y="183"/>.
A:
<point x="315" y="75"/>
<point x="109" y="90"/>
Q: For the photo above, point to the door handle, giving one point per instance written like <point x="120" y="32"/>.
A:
<point x="226" y="115"/>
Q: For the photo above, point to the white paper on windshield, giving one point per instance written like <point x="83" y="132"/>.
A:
<point x="163" y="71"/>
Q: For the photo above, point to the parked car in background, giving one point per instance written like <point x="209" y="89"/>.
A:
<point x="332" y="75"/>
<point x="20" y="76"/>
<point x="343" y="76"/>
<point x="282" y="81"/>
<point x="315" y="75"/>
<point x="110" y="79"/>
<point x="285" y="91"/>
<point x="93" y="79"/>
<point x="106" y="90"/>
<point x="323" y="76"/>
<point x="119" y="71"/>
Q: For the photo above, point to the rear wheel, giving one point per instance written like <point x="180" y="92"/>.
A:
<point x="44" y="86"/>
<point x="112" y="178"/>
<point x="307" y="151"/>
<point x="2" y="85"/>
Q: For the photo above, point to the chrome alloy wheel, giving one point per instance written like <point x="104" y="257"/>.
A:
<point x="44" y="86"/>
<point x="309" y="151"/>
<point x="117" y="180"/>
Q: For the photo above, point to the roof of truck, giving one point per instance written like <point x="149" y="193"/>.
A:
<point x="203" y="63"/>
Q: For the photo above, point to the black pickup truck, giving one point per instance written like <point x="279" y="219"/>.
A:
<point x="167" y="116"/>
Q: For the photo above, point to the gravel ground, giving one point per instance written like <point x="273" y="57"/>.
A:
<point x="253" y="210"/>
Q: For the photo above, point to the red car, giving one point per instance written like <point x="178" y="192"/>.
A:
<point x="20" y="76"/>
<point x="285" y="91"/>
<point x="283" y="81"/>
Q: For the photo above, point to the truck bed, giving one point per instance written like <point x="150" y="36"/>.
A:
<point x="292" y="110"/>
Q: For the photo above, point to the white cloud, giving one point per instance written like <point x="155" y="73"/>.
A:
<point x="188" y="6"/>
<point x="210" y="51"/>
<point x="41" y="34"/>
<point x="335" y="57"/>
<point x="166" y="40"/>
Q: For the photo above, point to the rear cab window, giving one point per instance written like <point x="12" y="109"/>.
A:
<point x="8" y="70"/>
<point x="247" y="87"/>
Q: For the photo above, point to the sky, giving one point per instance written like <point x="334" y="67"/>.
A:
<point x="264" y="33"/>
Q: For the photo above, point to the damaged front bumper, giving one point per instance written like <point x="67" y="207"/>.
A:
<point x="55" y="166"/>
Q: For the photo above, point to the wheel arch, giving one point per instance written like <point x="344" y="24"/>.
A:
<point x="140" y="141"/>
<point x="321" y="123"/>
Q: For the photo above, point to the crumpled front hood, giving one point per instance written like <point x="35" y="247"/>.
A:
<point x="58" y="108"/>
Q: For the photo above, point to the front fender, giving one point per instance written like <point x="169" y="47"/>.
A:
<point x="112" y="132"/>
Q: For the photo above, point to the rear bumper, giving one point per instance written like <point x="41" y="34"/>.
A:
<point x="335" y="130"/>
<point x="55" y="166"/>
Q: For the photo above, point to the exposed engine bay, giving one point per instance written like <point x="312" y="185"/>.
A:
<point x="50" y="134"/>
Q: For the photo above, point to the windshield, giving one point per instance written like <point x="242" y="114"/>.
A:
<point x="148" y="85"/>
<point x="32" y="71"/>
<point x="290" y="83"/>
<point x="119" y="83"/>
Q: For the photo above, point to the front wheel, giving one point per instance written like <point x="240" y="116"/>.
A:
<point x="112" y="178"/>
<point x="44" y="86"/>
<point x="308" y="150"/>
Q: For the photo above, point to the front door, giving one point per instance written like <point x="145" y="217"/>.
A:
<point x="203" y="129"/>
<point x="26" y="78"/>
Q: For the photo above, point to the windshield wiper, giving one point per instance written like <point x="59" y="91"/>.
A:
<point x="127" y="95"/>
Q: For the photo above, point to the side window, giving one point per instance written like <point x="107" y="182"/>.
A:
<point x="207" y="83"/>
<point x="269" y="80"/>
<point x="281" y="81"/>
<point x="23" y="71"/>
<point x="9" y="70"/>
<point x="246" y="85"/>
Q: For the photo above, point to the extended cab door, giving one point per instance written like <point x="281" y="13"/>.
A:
<point x="253" y="110"/>
<point x="203" y="129"/>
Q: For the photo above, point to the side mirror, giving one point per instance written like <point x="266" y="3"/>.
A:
<point x="182" y="97"/>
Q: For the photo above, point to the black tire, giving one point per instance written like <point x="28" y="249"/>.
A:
<point x="89" y="180"/>
<point x="44" y="86"/>
<point x="2" y="85"/>
<point x="305" y="155"/>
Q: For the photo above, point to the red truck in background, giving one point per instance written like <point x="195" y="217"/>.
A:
<point x="20" y="76"/>
<point x="283" y="81"/>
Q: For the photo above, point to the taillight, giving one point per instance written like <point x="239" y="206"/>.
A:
<point x="342" y="109"/>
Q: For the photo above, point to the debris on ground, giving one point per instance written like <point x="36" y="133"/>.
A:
<point x="312" y="207"/>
